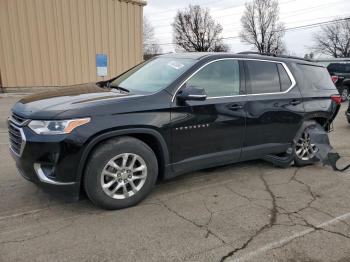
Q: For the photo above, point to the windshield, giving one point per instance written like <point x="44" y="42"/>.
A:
<point x="153" y="75"/>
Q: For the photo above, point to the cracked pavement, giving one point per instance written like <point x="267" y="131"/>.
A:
<point x="244" y="212"/>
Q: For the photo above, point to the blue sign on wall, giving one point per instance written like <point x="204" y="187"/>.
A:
<point x="101" y="64"/>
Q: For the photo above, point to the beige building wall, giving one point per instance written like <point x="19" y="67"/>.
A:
<point x="55" y="42"/>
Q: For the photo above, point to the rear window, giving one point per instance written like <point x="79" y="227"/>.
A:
<point x="317" y="78"/>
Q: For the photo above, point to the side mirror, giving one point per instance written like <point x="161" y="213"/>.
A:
<point x="104" y="83"/>
<point x="191" y="93"/>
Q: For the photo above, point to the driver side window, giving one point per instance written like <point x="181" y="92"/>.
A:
<point x="219" y="78"/>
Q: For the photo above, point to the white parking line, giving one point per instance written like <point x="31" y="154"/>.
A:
<point x="286" y="240"/>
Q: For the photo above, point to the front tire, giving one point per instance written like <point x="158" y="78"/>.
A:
<point x="120" y="173"/>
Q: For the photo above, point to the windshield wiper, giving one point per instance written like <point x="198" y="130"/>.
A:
<point x="118" y="87"/>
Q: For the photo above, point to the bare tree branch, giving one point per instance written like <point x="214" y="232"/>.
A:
<point x="261" y="26"/>
<point x="151" y="46"/>
<point x="334" y="39"/>
<point x="195" y="30"/>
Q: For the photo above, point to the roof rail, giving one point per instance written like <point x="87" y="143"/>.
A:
<point x="342" y="59"/>
<point x="274" y="55"/>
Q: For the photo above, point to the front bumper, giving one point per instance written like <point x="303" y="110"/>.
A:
<point x="51" y="162"/>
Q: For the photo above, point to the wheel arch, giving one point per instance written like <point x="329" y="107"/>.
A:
<point x="147" y="135"/>
<point x="322" y="119"/>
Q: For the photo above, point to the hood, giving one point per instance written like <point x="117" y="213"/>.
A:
<point x="47" y="105"/>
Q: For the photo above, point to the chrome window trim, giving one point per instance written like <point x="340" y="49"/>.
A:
<point x="290" y="75"/>
<point x="197" y="96"/>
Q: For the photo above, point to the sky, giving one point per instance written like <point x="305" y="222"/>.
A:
<point x="293" y="13"/>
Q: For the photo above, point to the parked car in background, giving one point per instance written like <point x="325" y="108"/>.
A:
<point x="170" y="115"/>
<point x="339" y="69"/>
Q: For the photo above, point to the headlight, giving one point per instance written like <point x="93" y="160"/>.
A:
<point x="56" y="127"/>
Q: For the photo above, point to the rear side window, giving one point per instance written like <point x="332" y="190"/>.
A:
<point x="316" y="78"/>
<point x="286" y="83"/>
<point x="263" y="77"/>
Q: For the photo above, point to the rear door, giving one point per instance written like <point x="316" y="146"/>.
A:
<point x="274" y="108"/>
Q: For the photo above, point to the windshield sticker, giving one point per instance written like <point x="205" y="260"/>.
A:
<point x="175" y="65"/>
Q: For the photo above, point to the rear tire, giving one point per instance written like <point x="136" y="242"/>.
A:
<point x="120" y="173"/>
<point x="304" y="151"/>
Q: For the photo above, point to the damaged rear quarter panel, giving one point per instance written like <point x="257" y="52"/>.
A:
<point x="317" y="105"/>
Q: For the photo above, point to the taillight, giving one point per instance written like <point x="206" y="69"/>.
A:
<point x="336" y="99"/>
<point x="335" y="79"/>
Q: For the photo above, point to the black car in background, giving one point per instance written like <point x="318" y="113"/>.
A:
<point x="340" y="73"/>
<point x="170" y="115"/>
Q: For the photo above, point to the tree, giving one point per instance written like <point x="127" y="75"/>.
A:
<point x="334" y="39"/>
<point x="261" y="26"/>
<point x="195" y="30"/>
<point x="151" y="46"/>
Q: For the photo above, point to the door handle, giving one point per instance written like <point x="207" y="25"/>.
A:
<point x="235" y="107"/>
<point x="295" y="102"/>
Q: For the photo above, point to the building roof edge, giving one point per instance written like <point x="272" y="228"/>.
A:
<point x="137" y="2"/>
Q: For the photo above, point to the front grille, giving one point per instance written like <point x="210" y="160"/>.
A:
<point x="16" y="140"/>
<point x="16" y="136"/>
<point x="18" y="119"/>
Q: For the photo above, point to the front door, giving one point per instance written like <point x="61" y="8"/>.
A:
<point x="211" y="132"/>
<point x="274" y="108"/>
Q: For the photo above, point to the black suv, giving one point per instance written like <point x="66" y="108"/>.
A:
<point x="170" y="115"/>
<point x="340" y="73"/>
